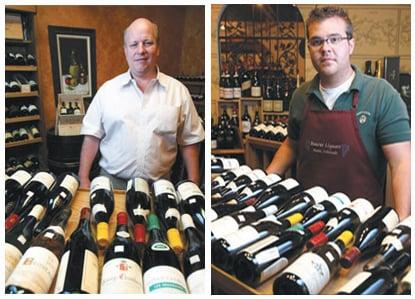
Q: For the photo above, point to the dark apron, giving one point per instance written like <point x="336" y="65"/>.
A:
<point x="331" y="154"/>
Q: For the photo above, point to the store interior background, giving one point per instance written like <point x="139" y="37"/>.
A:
<point x="379" y="31"/>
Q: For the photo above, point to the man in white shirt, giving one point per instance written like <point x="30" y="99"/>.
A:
<point x="138" y="119"/>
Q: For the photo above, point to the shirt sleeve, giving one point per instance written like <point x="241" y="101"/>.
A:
<point x="190" y="129"/>
<point x="393" y="120"/>
<point x="92" y="122"/>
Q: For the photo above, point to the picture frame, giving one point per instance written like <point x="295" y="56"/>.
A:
<point x="73" y="56"/>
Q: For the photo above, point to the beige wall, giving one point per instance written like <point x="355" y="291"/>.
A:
<point x="379" y="30"/>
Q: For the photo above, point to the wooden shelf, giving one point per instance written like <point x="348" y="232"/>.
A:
<point x="14" y="120"/>
<point x="21" y="68"/>
<point x="10" y="95"/>
<point x="228" y="101"/>
<point x="229" y="151"/>
<point x="18" y="42"/>
<point x="22" y="8"/>
<point x="276" y="113"/>
<point x="251" y="99"/>
<point x="24" y="142"/>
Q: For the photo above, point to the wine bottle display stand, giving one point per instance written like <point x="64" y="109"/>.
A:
<point x="259" y="151"/>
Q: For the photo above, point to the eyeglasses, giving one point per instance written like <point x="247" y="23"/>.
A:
<point x="317" y="42"/>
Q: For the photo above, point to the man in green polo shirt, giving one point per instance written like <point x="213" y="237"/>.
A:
<point x="344" y="126"/>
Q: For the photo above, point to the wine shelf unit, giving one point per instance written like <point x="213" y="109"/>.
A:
<point x="21" y="119"/>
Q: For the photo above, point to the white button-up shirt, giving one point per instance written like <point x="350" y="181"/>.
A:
<point x="139" y="131"/>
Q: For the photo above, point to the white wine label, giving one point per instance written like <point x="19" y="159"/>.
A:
<point x="260" y="127"/>
<point x="60" y="280"/>
<point x="214" y="143"/>
<point x="89" y="282"/>
<point x="194" y="259"/>
<point x="355" y="282"/>
<point x="188" y="190"/>
<point x="164" y="186"/>
<point x="141" y="212"/>
<point x="212" y="215"/>
<point x="100" y="182"/>
<point x="22" y="240"/>
<point x="267" y="255"/>
<point x="273" y="269"/>
<point x="244" y="169"/>
<point x="271" y="179"/>
<point x="62" y="194"/>
<point x="363" y="208"/>
<point x="317" y="193"/>
<point x="246" y="126"/>
<point x="406" y="222"/>
<point x="129" y="184"/>
<point x="36" y="211"/>
<point x="35" y="270"/>
<point x="121" y="276"/>
<point x="71" y="184"/>
<point x="123" y="234"/>
<point x="44" y="178"/>
<point x="256" y="91"/>
<point x="229" y="163"/>
<point x="313" y="270"/>
<point x="261" y="244"/>
<point x="391" y="220"/>
<point x="220" y="180"/>
<point x="270" y="218"/>
<point x="289" y="184"/>
<point x="228" y="93"/>
<point x="164" y="279"/>
<point x="339" y="200"/>
<point x="332" y="222"/>
<point x="233" y="186"/>
<point x="237" y="93"/>
<point x="246" y="85"/>
<point x="196" y="282"/>
<point x="12" y="257"/>
<point x="99" y="207"/>
<point x="172" y="212"/>
<point x="187" y="221"/>
<point x="119" y="248"/>
<point x="224" y="226"/>
<point x="270" y="210"/>
<point x="21" y="176"/>
<point x="241" y="218"/>
<point x="394" y="241"/>
<point x="248" y="209"/>
<point x="241" y="237"/>
<point x="246" y="191"/>
<point x="141" y="185"/>
<point x="160" y="247"/>
<point x="232" y="202"/>
<point x="259" y="173"/>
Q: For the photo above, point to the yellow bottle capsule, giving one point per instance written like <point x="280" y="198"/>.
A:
<point x="102" y="234"/>
<point x="175" y="242"/>
<point x="295" y="218"/>
<point x="346" y="237"/>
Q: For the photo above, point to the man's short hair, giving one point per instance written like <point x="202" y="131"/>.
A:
<point x="155" y="27"/>
<point x="319" y="14"/>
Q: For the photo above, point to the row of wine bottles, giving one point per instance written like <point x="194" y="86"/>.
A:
<point x="29" y="163"/>
<point x="21" y="110"/>
<point x="262" y="224"/>
<point x="68" y="109"/>
<point x="123" y="257"/>
<point x="20" y="59"/>
<point x="15" y="85"/>
<point x="21" y="133"/>
<point x="271" y="131"/>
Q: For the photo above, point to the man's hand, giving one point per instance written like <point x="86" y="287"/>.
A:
<point x="88" y="152"/>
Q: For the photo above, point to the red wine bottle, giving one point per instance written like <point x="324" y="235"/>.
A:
<point x="138" y="207"/>
<point x="234" y="187"/>
<point x="221" y="181"/>
<point x="37" y="268"/>
<point x="220" y="165"/>
<point x="101" y="201"/>
<point x="19" y="237"/>
<point x="121" y="273"/>
<point x="194" y="202"/>
<point x="278" y="194"/>
<point x="78" y="270"/>
<point x="13" y="187"/>
<point x="370" y="234"/>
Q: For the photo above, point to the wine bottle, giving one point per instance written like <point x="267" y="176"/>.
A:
<point x="222" y="84"/>
<point x="246" y="84"/>
<point x="380" y="281"/>
<point x="369" y="235"/>
<point x="278" y="194"/>
<point x="234" y="119"/>
<point x="121" y="273"/>
<point x="194" y="257"/>
<point x="13" y="111"/>
<point x="70" y="108"/>
<point x="368" y="67"/>
<point x="33" y="85"/>
<point x="19" y="237"/>
<point x="10" y="59"/>
<point x="214" y="136"/>
<point x="59" y="197"/>
<point x="406" y="283"/>
<point x="34" y="131"/>
<point x="349" y="218"/>
<point x="225" y="249"/>
<point x="237" y="91"/>
<point x="138" y="207"/>
<point x="312" y="271"/>
<point x="395" y="242"/>
<point x="13" y="188"/>
<point x="78" y="270"/>
<point x="256" y="86"/>
<point x="246" y="122"/>
<point x="166" y="207"/>
<point x="228" y="87"/>
<point x="63" y="110"/>
<point x="220" y="181"/>
<point x="8" y="136"/>
<point x="255" y="131"/>
<point x="37" y="268"/>
<point x="14" y="86"/>
<point x="19" y="59"/>
<point x="23" y="133"/>
<point x="76" y="109"/>
<point x="326" y="209"/>
<point x="265" y="258"/>
<point x="234" y="187"/>
<point x="23" y="111"/>
<point x="34" y="192"/>
<point x="30" y="59"/>
<point x="194" y="202"/>
<point x="33" y="110"/>
<point x="160" y="265"/>
<point x="219" y="165"/>
<point x="101" y="201"/>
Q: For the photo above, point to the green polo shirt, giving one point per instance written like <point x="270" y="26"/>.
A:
<point x="381" y="114"/>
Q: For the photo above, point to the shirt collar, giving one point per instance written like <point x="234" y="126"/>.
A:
<point x="161" y="78"/>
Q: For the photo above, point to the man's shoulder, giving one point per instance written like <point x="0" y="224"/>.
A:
<point x="118" y="80"/>
<point x="170" y="81"/>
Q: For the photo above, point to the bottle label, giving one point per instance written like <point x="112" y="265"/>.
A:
<point x="355" y="282"/>
<point x="32" y="107"/>
<point x="246" y="126"/>
<point x="160" y="247"/>
<point x="121" y="276"/>
<point x="164" y="279"/>
<point x="273" y="269"/>
<point x="196" y="282"/>
<point x="140" y="185"/>
<point x="99" y="207"/>
<point x="21" y="176"/>
<point x="233" y="186"/>
<point x="267" y="255"/>
<point x="339" y="200"/>
<point x="44" y="178"/>
<point x="289" y="184"/>
<point x="164" y="186"/>
<point x="141" y="212"/>
<point x="394" y="241"/>
<point x="241" y="170"/>
<point x="270" y="210"/>
<point x="267" y="105"/>
<point x="260" y="127"/>
<point x="71" y="184"/>
<point x="220" y="180"/>
<point x="188" y="190"/>
<point x="278" y="106"/>
<point x="187" y="221"/>
<point x="317" y="193"/>
<point x="271" y="179"/>
<point x="246" y="85"/>
<point x="54" y="230"/>
<point x="246" y="191"/>
<point x="100" y="182"/>
<point x="243" y="236"/>
<point x="123" y="234"/>
<point x="391" y="220"/>
<point x="223" y="226"/>
<point x="259" y="174"/>
<point x="313" y="270"/>
<point x="237" y="93"/>
<point x="172" y="212"/>
<point x="35" y="270"/>
<point x="228" y="164"/>
<point x="214" y="143"/>
<point x="256" y="91"/>
<point x="12" y="257"/>
<point x="362" y="207"/>
<point x="212" y="215"/>
<point x="228" y="93"/>
<point x="257" y="246"/>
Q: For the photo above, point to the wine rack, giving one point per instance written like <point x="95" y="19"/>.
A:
<point x="25" y="45"/>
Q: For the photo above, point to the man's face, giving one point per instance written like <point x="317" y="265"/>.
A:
<point x="141" y="48"/>
<point x="330" y="59"/>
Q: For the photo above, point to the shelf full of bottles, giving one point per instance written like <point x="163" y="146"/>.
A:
<point x="24" y="121"/>
<point x="146" y="239"/>
<point x="196" y="87"/>
<point x="271" y="235"/>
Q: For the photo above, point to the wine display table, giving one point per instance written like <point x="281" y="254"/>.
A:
<point x="259" y="152"/>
